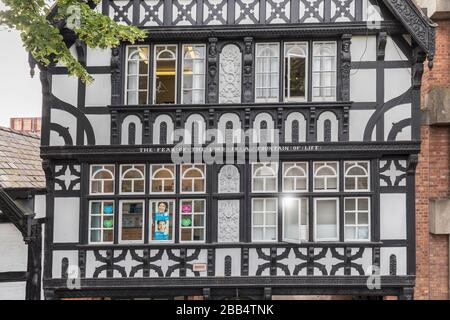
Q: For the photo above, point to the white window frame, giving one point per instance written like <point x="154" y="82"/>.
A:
<point x="121" y="202"/>
<point x="193" y="74"/>
<point x="138" y="75"/>
<point x="318" y="43"/>
<point x="101" y="215"/>
<point x="297" y="199"/>
<point x="133" y="180"/>
<point x="264" y="226"/>
<point x="192" y="227"/>
<point x="265" y="164"/>
<point x="150" y="210"/>
<point x="91" y="179"/>
<point x="357" y="224"/>
<point x="287" y="84"/>
<point x="295" y="165"/>
<point x="315" y="219"/>
<point x="155" y="62"/>
<point x="257" y="56"/>
<point x="326" y="163"/>
<point x="356" y="178"/>
<point x="193" y="179"/>
<point x="152" y="177"/>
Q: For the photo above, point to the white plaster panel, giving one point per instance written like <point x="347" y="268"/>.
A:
<point x="364" y="48"/>
<point x="254" y="262"/>
<point x="98" y="93"/>
<point x="392" y="216"/>
<point x="371" y="12"/>
<point x="395" y="115"/>
<point x="65" y="120"/>
<point x="202" y="259"/>
<point x="128" y="264"/>
<point x="393" y="52"/>
<point x="39" y="206"/>
<point x="98" y="57"/>
<point x="65" y="88"/>
<point x="66" y="220"/>
<point x="13" y="290"/>
<point x="58" y="256"/>
<point x="165" y="263"/>
<point x="73" y="52"/>
<point x="92" y="264"/>
<point x="396" y="82"/>
<point x="102" y="128"/>
<point x="365" y="261"/>
<point x="358" y="123"/>
<point x="401" y="256"/>
<point x="13" y="251"/>
<point x="235" y="255"/>
<point x="363" y="85"/>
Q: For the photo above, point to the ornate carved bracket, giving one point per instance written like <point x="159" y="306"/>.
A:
<point x="381" y="45"/>
<point x="346" y="59"/>
<point x="115" y="127"/>
<point x="116" y="87"/>
<point x="417" y="69"/>
<point x="248" y="70"/>
<point x="413" y="159"/>
<point x="213" y="71"/>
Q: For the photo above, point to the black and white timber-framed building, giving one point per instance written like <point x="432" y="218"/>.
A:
<point x="336" y="81"/>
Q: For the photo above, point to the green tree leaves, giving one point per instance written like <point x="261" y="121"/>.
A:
<point x="42" y="35"/>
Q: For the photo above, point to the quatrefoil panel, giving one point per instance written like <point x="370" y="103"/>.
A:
<point x="312" y="11"/>
<point x="215" y="12"/>
<point x="121" y="11"/>
<point x="151" y="13"/>
<point x="247" y="11"/>
<point x="393" y="173"/>
<point x="342" y="10"/>
<point x="278" y="11"/>
<point x="184" y="12"/>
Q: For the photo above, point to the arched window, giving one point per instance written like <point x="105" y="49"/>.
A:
<point x="327" y="127"/>
<point x="265" y="178"/>
<point x="326" y="176"/>
<point x="295" y="69"/>
<point x="195" y="128"/>
<point x="132" y="178"/>
<point x="263" y="128"/>
<point x="229" y="128"/>
<point x="163" y="133"/>
<point x="137" y="75"/>
<point x="193" y="178"/>
<point x="132" y="133"/>
<point x="195" y="133"/>
<point x="295" y="176"/>
<point x="102" y="179"/>
<point x="162" y="178"/>
<point x="295" y="128"/>
<point x="165" y="83"/>
<point x="357" y="175"/>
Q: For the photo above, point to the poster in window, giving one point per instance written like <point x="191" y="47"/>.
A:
<point x="162" y="220"/>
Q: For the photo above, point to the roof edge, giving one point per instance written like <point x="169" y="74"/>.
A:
<point x="421" y="28"/>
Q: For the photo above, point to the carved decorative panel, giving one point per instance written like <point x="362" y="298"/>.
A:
<point x="215" y="12"/>
<point x="229" y="179"/>
<point x="312" y="11"/>
<point x="230" y="74"/>
<point x="278" y="11"/>
<point x="151" y="13"/>
<point x="342" y="10"/>
<point x="67" y="177"/>
<point x="246" y="11"/>
<point x="184" y="12"/>
<point x="121" y="11"/>
<point x="228" y="221"/>
<point x="393" y="173"/>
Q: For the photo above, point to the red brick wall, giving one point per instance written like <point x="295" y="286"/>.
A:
<point x="433" y="182"/>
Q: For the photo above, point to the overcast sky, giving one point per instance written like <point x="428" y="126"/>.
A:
<point x="20" y="96"/>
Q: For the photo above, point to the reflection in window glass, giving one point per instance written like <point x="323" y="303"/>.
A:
<point x="265" y="177"/>
<point x="102" y="179"/>
<point x="295" y="176"/>
<point x="193" y="178"/>
<point x="357" y="219"/>
<point x="356" y="175"/>
<point x="194" y="73"/>
<point x="132" y="178"/>
<point x="137" y="74"/>
<point x="326" y="213"/>
<point x="192" y="220"/>
<point x="267" y="71"/>
<point x="295" y="219"/>
<point x="162" y="178"/>
<point x="101" y="221"/>
<point x="131" y="221"/>
<point x="295" y="68"/>
<point x="326" y="176"/>
<point x="264" y="219"/>
<point x="324" y="71"/>
<point x="165" y="74"/>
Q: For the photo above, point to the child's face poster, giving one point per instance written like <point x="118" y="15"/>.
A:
<point x="162" y="220"/>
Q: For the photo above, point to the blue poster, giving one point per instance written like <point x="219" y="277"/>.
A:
<point x="162" y="222"/>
